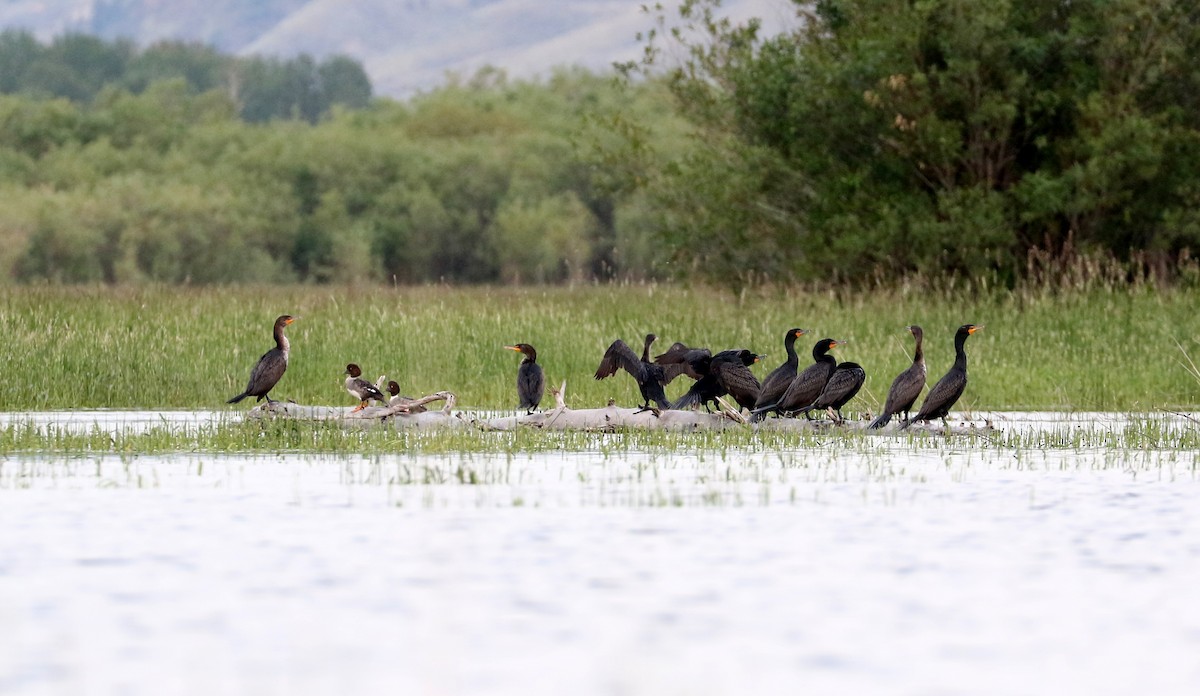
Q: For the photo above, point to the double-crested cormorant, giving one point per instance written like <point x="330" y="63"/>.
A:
<point x="807" y="385"/>
<point x="270" y="367"/>
<point x="781" y="377"/>
<point x="906" y="387"/>
<point x="732" y="369"/>
<point x="945" y="393"/>
<point x="361" y="389"/>
<point x="396" y="399"/>
<point x="847" y="379"/>
<point x="650" y="377"/>
<point x="727" y="372"/>
<point x="531" y="382"/>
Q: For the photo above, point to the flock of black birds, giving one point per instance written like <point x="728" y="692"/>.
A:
<point x="788" y="391"/>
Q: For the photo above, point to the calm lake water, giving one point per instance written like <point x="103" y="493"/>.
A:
<point x="873" y="567"/>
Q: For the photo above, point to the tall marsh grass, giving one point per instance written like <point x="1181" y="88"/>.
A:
<point x="1102" y="348"/>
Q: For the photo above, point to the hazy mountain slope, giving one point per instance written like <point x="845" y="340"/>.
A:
<point x="405" y="45"/>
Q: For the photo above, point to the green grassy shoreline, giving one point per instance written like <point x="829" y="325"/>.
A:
<point x="192" y="348"/>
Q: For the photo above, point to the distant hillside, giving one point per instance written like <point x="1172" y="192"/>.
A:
<point x="405" y="45"/>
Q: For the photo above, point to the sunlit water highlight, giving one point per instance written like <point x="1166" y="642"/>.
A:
<point x="877" y="568"/>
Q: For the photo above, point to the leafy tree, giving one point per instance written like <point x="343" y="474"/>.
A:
<point x="201" y="67"/>
<point x="18" y="51"/>
<point x="883" y="137"/>
<point x="483" y="182"/>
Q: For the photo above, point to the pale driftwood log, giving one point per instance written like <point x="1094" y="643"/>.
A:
<point x="398" y="415"/>
<point x="561" y="417"/>
<point x="611" y="417"/>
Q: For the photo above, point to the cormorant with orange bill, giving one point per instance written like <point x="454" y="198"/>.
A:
<point x="950" y="387"/>
<point x="727" y="372"/>
<point x="848" y="377"/>
<point x="531" y="381"/>
<point x="779" y="379"/>
<point x="807" y="385"/>
<point x="270" y="367"/>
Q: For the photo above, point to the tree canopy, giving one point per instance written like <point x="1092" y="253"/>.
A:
<point x="79" y="67"/>
<point x="484" y="180"/>
<point x="882" y="137"/>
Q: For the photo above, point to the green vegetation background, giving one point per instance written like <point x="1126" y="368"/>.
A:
<point x="192" y="348"/>
<point x="1025" y="165"/>
<point x="871" y="140"/>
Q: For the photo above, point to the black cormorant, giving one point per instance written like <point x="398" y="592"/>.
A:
<point x="847" y="379"/>
<point x="807" y="385"/>
<point x="906" y="387"/>
<point x="779" y="379"/>
<point x="531" y="382"/>
<point x="270" y="367"/>
<point x="945" y="393"/>
<point x="727" y="372"/>
<point x="650" y="377"/>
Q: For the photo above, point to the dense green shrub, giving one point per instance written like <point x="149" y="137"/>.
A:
<point x="478" y="183"/>
<point x="883" y="137"/>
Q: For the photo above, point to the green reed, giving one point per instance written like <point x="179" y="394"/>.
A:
<point x="1101" y="348"/>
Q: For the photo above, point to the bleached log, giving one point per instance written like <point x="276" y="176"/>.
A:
<point x="609" y="418"/>
<point x="398" y="416"/>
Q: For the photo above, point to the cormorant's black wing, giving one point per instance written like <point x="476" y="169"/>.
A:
<point x="620" y="356"/>
<point x="682" y="360"/>
<point x="531" y="384"/>
<point x="266" y="372"/>
<point x="845" y="382"/>
<point x="736" y="379"/>
<point x="806" y="387"/>
<point x="943" y="396"/>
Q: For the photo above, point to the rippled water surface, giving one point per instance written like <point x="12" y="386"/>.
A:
<point x="880" y="568"/>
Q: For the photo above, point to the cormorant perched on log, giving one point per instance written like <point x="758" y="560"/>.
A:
<point x="734" y="376"/>
<point x="950" y="387"/>
<point x="361" y="389"/>
<point x="847" y="379"/>
<point x="907" y="386"/>
<point x="781" y="377"/>
<point x="807" y="385"/>
<point x="531" y="381"/>
<point x="727" y="372"/>
<point x="270" y="367"/>
<point x="650" y="377"/>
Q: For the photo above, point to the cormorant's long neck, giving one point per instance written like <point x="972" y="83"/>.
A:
<point x="789" y="344"/>
<point x="646" y="350"/>
<point x="530" y="356"/>
<point x="919" y="352"/>
<point x="281" y="341"/>
<point x="960" y="353"/>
